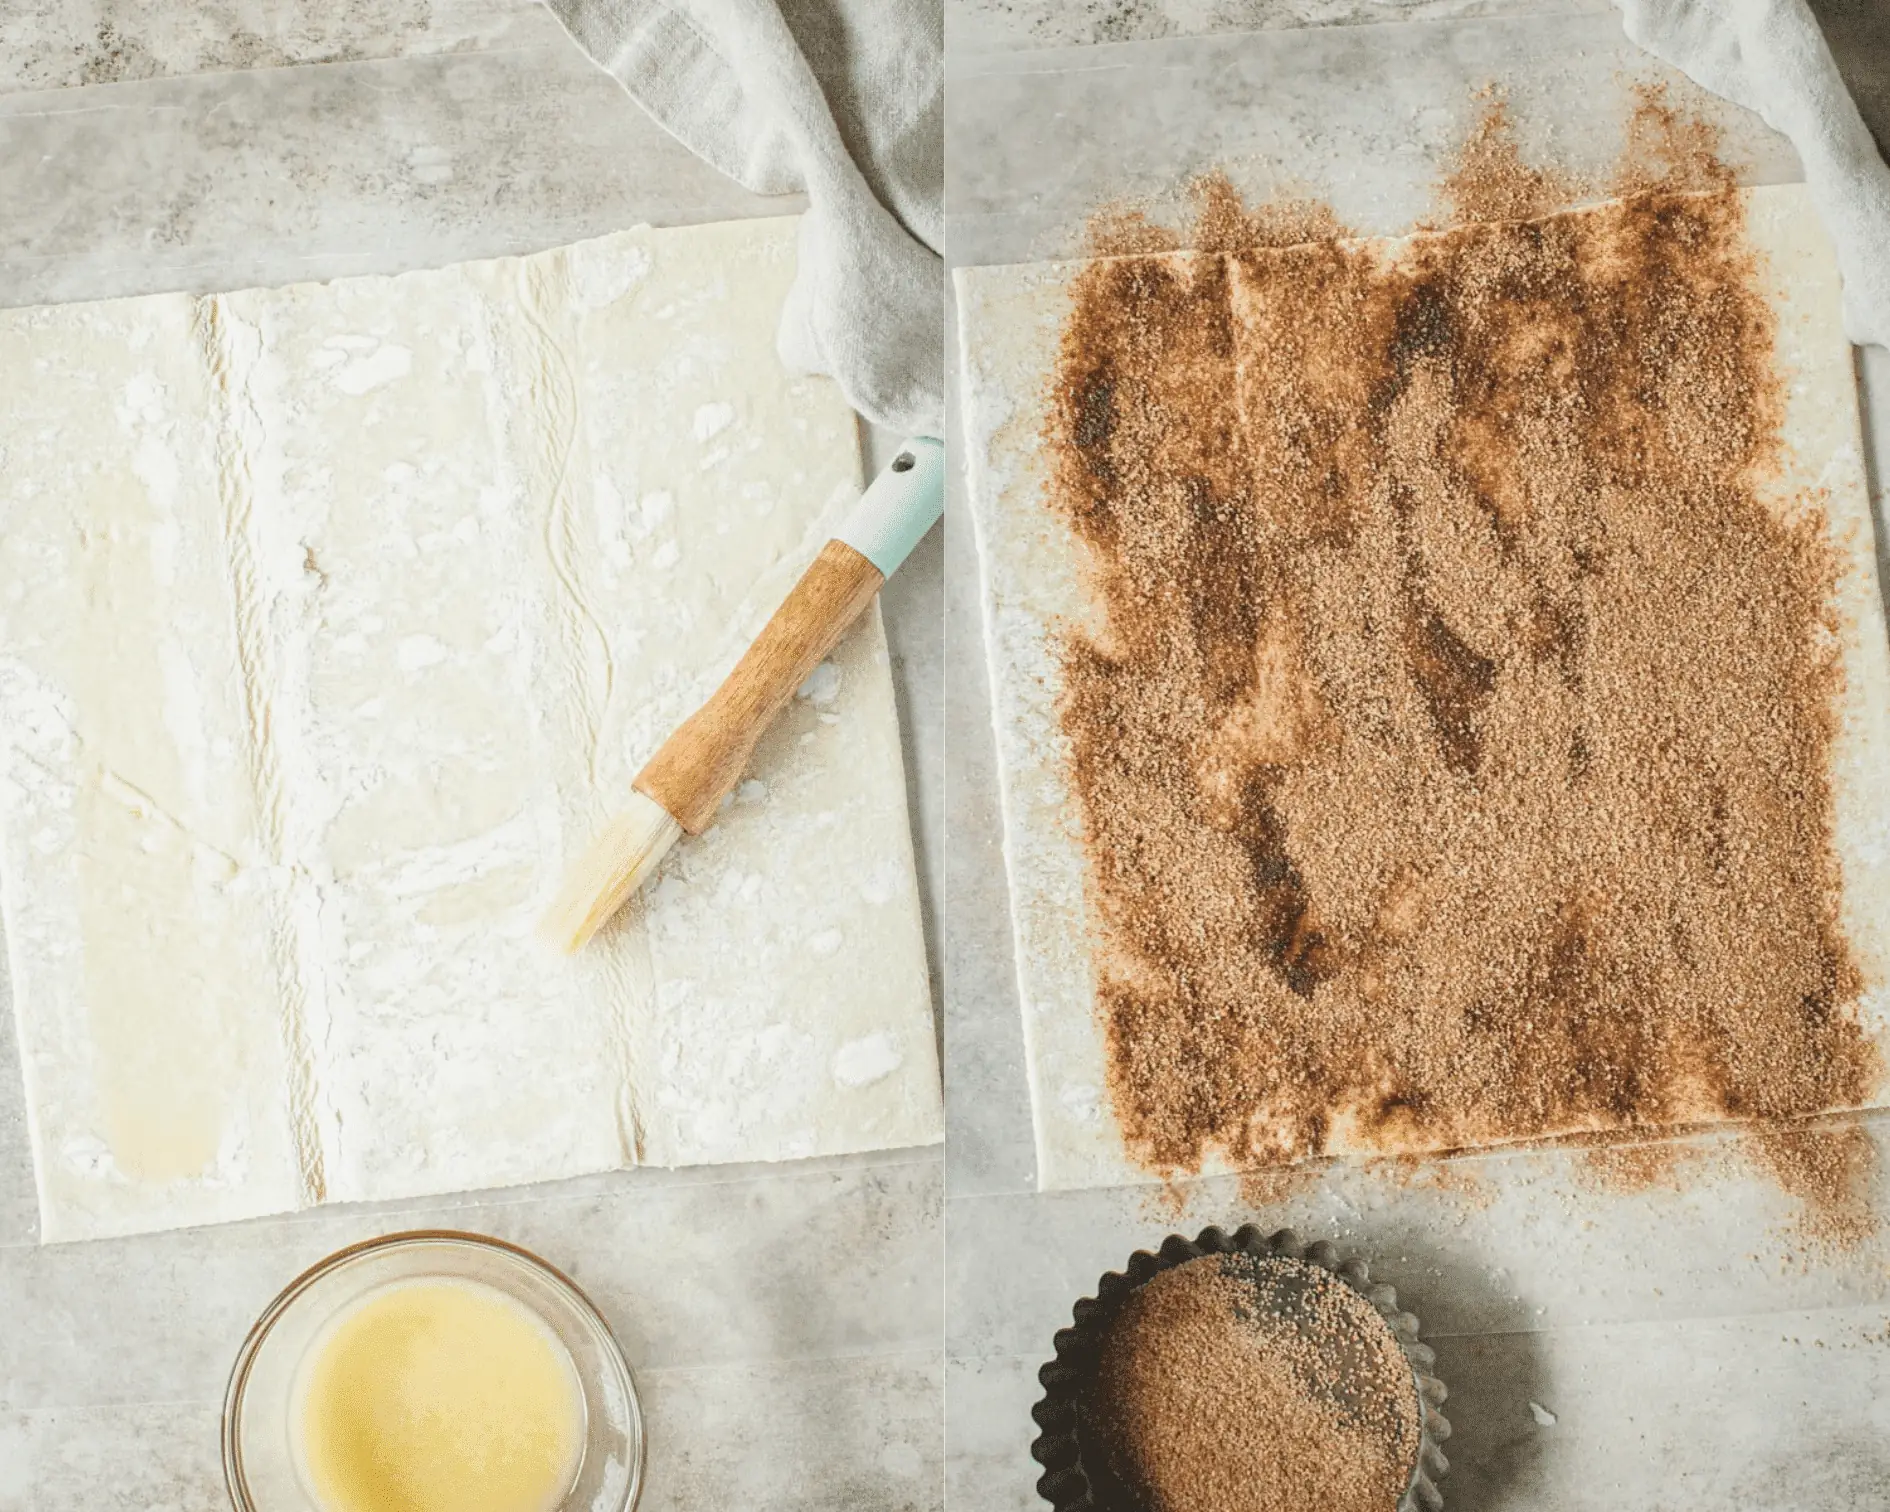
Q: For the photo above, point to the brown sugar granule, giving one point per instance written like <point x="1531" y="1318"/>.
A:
<point x="1665" y="150"/>
<point x="1452" y="762"/>
<point x="1271" y="1186"/>
<point x="1629" y="1168"/>
<point x="1223" y="223"/>
<point x="1219" y="221"/>
<point x="1829" y="1169"/>
<point x="1489" y="181"/>
<point x="1669" y="150"/>
<point x="1461" y="1180"/>
<point x="1234" y="1383"/>
<point x="1124" y="230"/>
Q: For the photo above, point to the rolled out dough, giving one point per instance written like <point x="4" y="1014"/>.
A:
<point x="1010" y="321"/>
<point x="332" y="620"/>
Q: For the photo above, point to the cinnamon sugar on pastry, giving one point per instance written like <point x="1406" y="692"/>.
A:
<point x="1452" y="761"/>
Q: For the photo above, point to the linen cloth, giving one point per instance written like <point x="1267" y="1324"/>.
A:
<point x="842" y="100"/>
<point x="1771" y="56"/>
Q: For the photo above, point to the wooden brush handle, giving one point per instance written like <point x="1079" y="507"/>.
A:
<point x="707" y="755"/>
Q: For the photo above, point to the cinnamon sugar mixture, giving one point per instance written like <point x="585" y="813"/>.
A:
<point x="1453" y="761"/>
<point x="1829" y="1169"/>
<point x="1221" y="223"/>
<point x="1238" y="1384"/>
<point x="1490" y="181"/>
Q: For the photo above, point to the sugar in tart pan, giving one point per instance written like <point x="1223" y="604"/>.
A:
<point x="1241" y="1372"/>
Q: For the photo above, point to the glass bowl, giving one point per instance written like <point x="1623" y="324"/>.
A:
<point x="259" y="1460"/>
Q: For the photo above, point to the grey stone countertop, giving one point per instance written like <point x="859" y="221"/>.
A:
<point x="1684" y="1347"/>
<point x="782" y="1321"/>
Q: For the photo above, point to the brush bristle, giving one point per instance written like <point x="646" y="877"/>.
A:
<point x="601" y="880"/>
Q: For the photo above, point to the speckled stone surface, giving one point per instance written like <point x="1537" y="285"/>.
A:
<point x="999" y="25"/>
<point x="783" y="1321"/>
<point x="1689" y="1346"/>
<point x="52" y="44"/>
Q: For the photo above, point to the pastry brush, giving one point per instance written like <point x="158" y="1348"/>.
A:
<point x="682" y="786"/>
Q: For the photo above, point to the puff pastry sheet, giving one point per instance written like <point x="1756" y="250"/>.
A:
<point x="1010" y="320"/>
<point x="333" y="619"/>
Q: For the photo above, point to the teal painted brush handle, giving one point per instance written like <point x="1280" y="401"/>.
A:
<point x="900" y="506"/>
<point x="698" y="765"/>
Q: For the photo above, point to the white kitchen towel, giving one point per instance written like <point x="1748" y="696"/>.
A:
<point x="1772" y="57"/>
<point x="841" y="100"/>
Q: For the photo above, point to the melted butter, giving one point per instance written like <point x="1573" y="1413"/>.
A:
<point x="438" y="1396"/>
